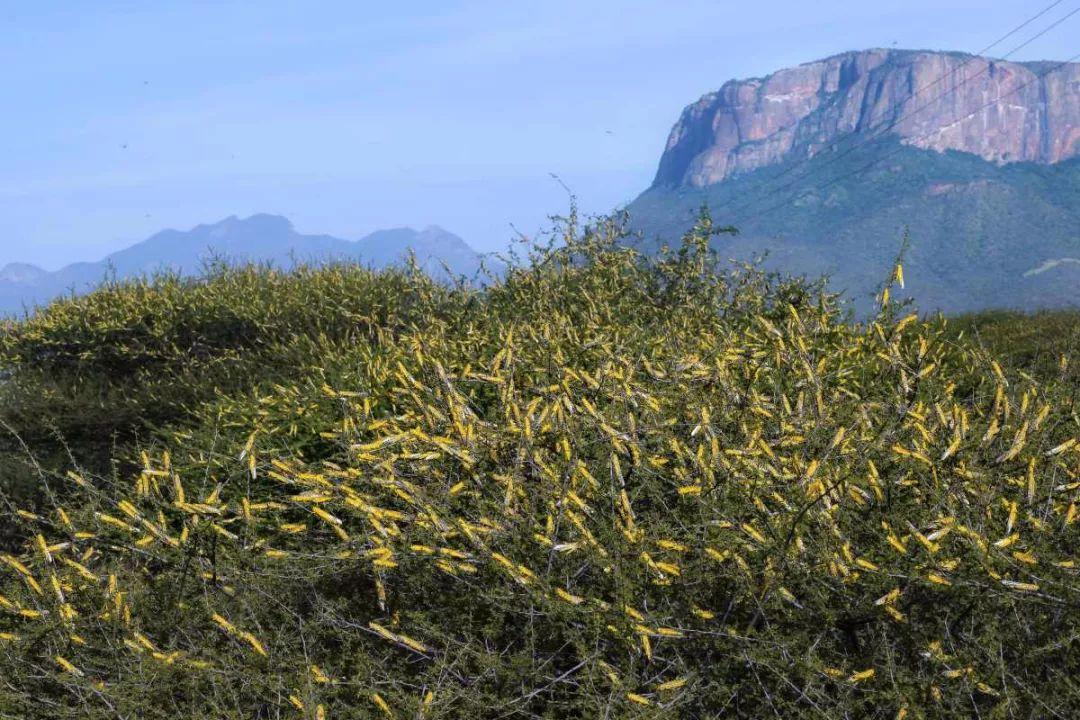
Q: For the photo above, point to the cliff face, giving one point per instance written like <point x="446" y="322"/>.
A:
<point x="1001" y="111"/>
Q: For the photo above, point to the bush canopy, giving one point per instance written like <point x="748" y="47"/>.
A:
<point x="604" y="485"/>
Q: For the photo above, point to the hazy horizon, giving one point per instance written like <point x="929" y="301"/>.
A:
<point x="134" y="119"/>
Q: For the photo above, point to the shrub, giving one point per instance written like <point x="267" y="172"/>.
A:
<point x="1040" y="344"/>
<point x="606" y="486"/>
<point x="97" y="373"/>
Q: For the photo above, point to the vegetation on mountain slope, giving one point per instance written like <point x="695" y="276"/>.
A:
<point x="603" y="486"/>
<point x="981" y="235"/>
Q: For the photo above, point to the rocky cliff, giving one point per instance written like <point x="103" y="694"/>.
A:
<point x="1004" y="112"/>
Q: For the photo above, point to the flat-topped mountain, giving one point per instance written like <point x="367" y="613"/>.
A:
<point x="823" y="167"/>
<point x="260" y="238"/>
<point x="1001" y="111"/>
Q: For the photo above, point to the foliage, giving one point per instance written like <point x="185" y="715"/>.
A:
<point x="1044" y="344"/>
<point x="102" y="370"/>
<point x="604" y="486"/>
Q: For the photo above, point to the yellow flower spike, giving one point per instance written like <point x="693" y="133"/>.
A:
<point x="897" y="544"/>
<point x="223" y="623"/>
<point x="381" y="704"/>
<point x="646" y="645"/>
<point x="672" y="545"/>
<point x="1007" y="541"/>
<point x="43" y="548"/>
<point x="671" y="685"/>
<point x="77" y="478"/>
<point x="413" y="644"/>
<point x="254" y="643"/>
<point x="1025" y="557"/>
<point x="1063" y="447"/>
<point x="68" y="667"/>
<point x="889" y="597"/>
<point x="754" y="533"/>
<point x="33" y="583"/>
<point x="140" y="643"/>
<point x="895" y="614"/>
<point x="564" y="595"/>
<point x="862" y="675"/>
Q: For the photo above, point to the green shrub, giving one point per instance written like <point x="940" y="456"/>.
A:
<point x="91" y="375"/>
<point x="1044" y="344"/>
<point x="605" y="486"/>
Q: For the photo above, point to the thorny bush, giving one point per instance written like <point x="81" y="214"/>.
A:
<point x="602" y="486"/>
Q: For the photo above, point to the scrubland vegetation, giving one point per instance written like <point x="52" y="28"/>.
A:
<point x="602" y="486"/>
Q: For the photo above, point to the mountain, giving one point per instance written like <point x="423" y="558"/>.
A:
<point x="260" y="238"/>
<point x="21" y="273"/>
<point x="825" y="165"/>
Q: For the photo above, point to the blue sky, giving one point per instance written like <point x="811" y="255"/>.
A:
<point x="123" y="118"/>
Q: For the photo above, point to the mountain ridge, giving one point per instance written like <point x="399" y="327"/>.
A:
<point x="21" y="272"/>
<point x="260" y="238"/>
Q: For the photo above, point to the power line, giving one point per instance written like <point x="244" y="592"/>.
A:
<point x="1018" y="28"/>
<point x="897" y="121"/>
<point x="967" y="62"/>
<point x="885" y="128"/>
<point x="881" y="158"/>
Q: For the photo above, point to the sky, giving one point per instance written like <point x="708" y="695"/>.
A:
<point x="125" y="118"/>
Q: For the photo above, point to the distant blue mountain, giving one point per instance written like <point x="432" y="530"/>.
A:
<point x="259" y="238"/>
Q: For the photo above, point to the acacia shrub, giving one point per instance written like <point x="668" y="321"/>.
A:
<point x="606" y="486"/>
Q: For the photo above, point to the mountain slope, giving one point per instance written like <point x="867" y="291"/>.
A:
<point x="984" y="231"/>
<point x="260" y="238"/>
